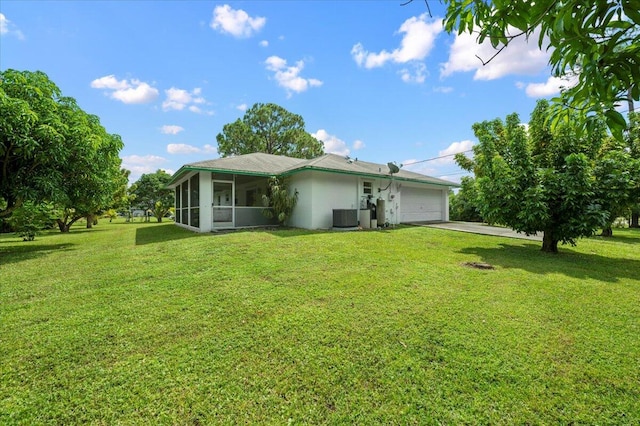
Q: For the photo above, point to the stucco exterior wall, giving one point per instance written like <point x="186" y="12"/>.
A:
<point x="318" y="194"/>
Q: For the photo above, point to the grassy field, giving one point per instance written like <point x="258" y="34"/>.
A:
<point x="148" y="323"/>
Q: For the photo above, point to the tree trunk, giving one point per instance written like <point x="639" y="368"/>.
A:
<point x="607" y="232"/>
<point x="63" y="226"/>
<point x="549" y="244"/>
<point x="634" y="221"/>
<point x="89" y="221"/>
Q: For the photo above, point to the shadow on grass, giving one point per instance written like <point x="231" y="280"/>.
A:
<point x="29" y="250"/>
<point x="530" y="258"/>
<point x="163" y="233"/>
<point x="628" y="237"/>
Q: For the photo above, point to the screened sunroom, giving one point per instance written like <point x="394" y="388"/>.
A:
<point x="208" y="200"/>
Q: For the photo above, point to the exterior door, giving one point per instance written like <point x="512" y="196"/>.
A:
<point x="223" y="205"/>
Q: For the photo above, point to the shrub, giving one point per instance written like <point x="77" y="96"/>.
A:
<point x="31" y="218"/>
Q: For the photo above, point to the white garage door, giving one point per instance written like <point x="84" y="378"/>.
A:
<point x="418" y="205"/>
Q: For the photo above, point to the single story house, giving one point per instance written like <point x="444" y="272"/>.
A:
<point x="333" y="191"/>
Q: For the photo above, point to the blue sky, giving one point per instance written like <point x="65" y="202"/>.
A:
<point x="372" y="79"/>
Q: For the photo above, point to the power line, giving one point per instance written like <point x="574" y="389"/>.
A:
<point x="437" y="158"/>
<point x="455" y="174"/>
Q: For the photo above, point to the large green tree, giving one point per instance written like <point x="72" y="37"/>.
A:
<point x="540" y="180"/>
<point x="598" y="41"/>
<point x="271" y="129"/>
<point x="151" y="193"/>
<point x="91" y="176"/>
<point x="32" y="143"/>
<point x="51" y="150"/>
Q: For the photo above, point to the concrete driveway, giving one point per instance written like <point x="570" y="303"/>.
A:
<point x="480" y="228"/>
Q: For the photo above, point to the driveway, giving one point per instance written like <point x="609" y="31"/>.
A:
<point x="480" y="228"/>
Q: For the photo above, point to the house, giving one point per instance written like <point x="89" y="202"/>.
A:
<point x="333" y="191"/>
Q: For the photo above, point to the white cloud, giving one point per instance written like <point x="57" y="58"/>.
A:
<point x="358" y="144"/>
<point x="439" y="166"/>
<point x="424" y="167"/>
<point x="242" y="107"/>
<point x="238" y="23"/>
<point x="289" y="76"/>
<point x="141" y="93"/>
<point x="109" y="82"/>
<point x="140" y="165"/>
<point x="551" y="87"/>
<point x="264" y="43"/>
<point x="415" y="75"/>
<point x="179" y="99"/>
<point x="209" y="149"/>
<point x="417" y="42"/>
<point x="522" y="56"/>
<point x="171" y="129"/>
<point x="126" y="91"/>
<point x="181" y="148"/>
<point x="454" y="148"/>
<point x="8" y="28"/>
<point x="332" y="144"/>
<point x="443" y="89"/>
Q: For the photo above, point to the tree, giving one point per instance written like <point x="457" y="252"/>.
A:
<point x="31" y="218"/>
<point x="542" y="180"/>
<point x="32" y="144"/>
<point x="633" y="143"/>
<point x="279" y="202"/>
<point x="463" y="205"/>
<point x="152" y="194"/>
<point x="53" y="151"/>
<point x="617" y="170"/>
<point x="91" y="175"/>
<point x="597" y="41"/>
<point x="271" y="129"/>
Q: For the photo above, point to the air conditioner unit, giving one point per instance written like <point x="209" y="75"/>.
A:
<point x="345" y="218"/>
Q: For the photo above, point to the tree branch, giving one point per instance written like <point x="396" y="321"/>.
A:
<point x="425" y="2"/>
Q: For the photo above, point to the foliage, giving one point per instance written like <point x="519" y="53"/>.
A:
<point x="633" y="144"/>
<point x="31" y="218"/>
<point x="617" y="172"/>
<point x="464" y="205"/>
<point x="317" y="328"/>
<point x="279" y="201"/>
<point x="92" y="173"/>
<point x="543" y="181"/>
<point x="31" y="138"/>
<point x="598" y="42"/>
<point x="271" y="129"/>
<point x="52" y="150"/>
<point x="151" y="193"/>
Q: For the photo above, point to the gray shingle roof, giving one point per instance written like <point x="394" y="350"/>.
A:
<point x="257" y="162"/>
<point x="268" y="165"/>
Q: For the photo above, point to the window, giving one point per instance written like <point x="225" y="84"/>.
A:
<point x="195" y="191"/>
<point x="184" y="205"/>
<point x="367" y="188"/>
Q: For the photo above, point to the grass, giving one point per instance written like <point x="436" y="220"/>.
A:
<point x="148" y="323"/>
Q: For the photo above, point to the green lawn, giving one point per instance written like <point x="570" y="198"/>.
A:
<point x="148" y="323"/>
